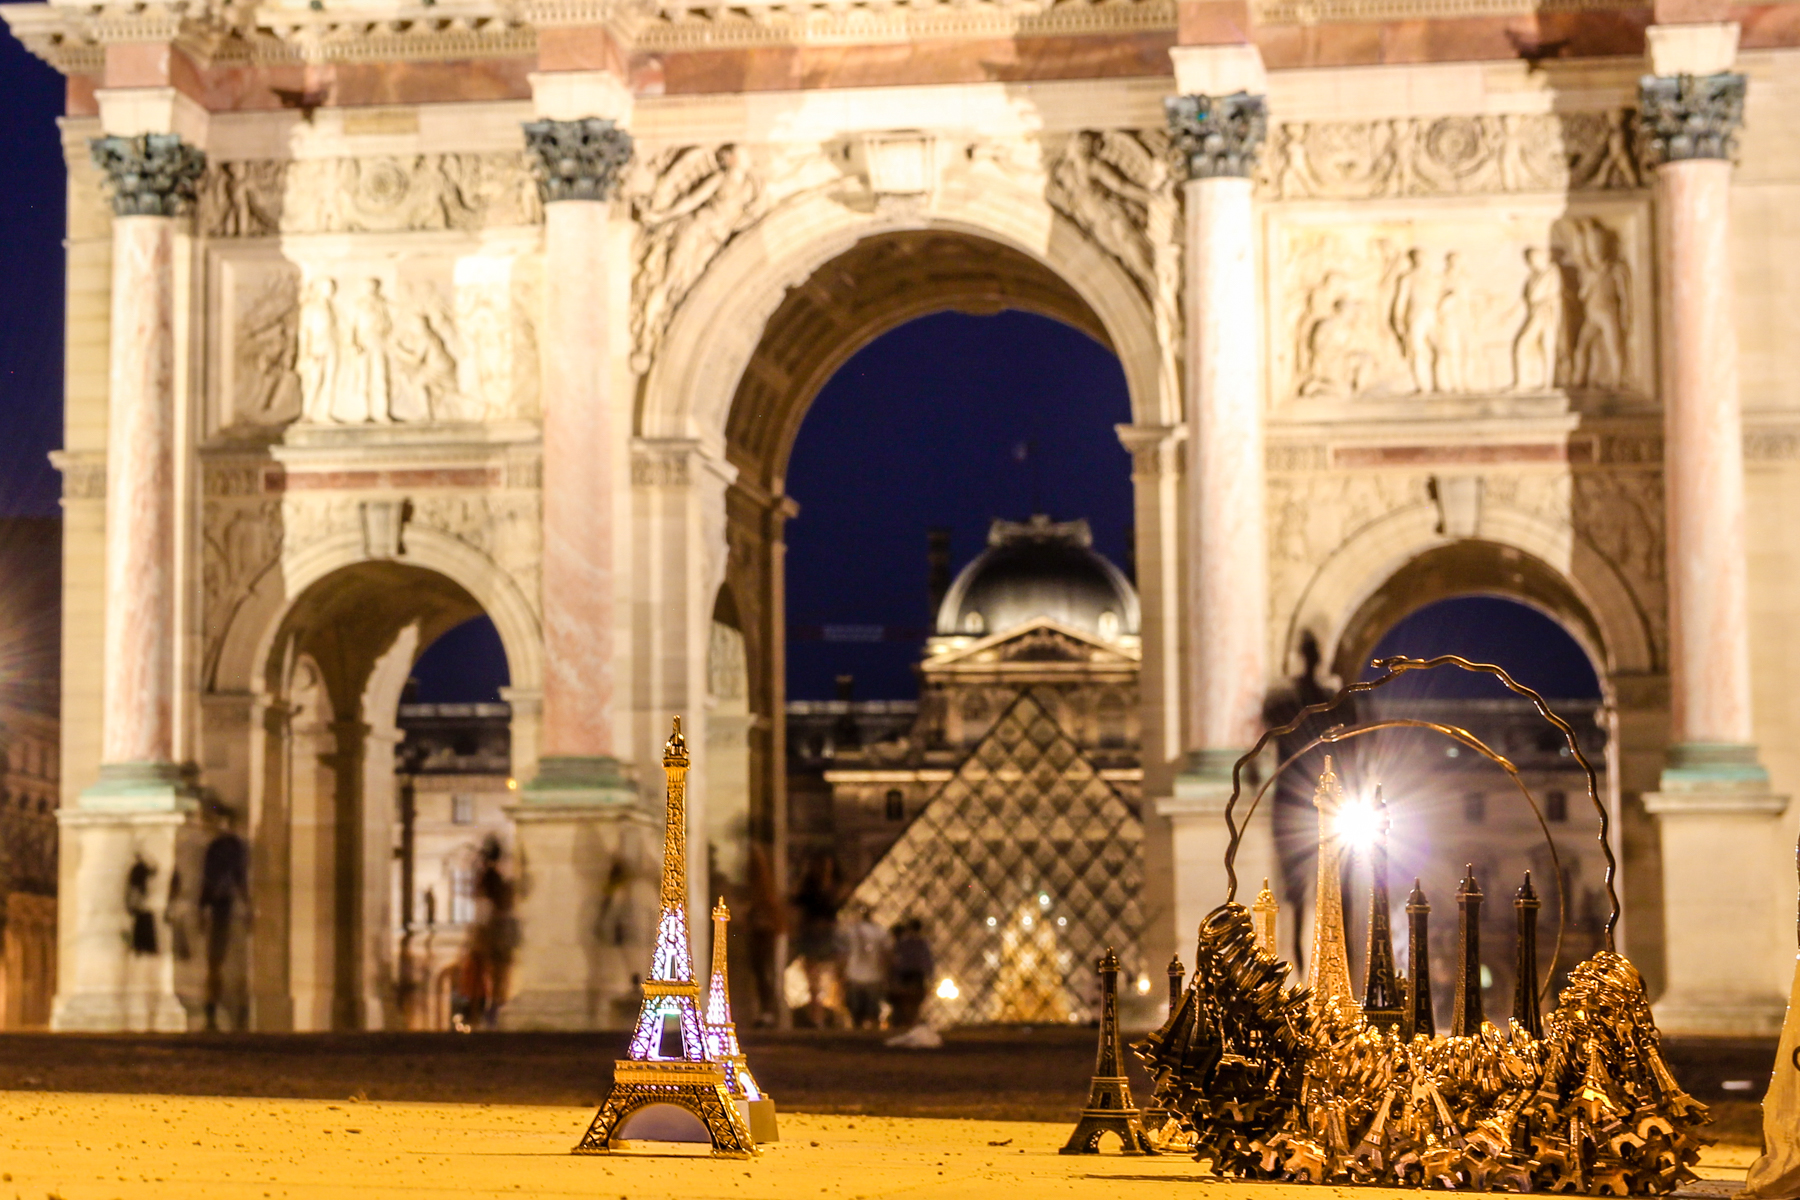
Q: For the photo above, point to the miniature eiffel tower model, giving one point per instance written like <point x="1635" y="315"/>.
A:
<point x="758" y="1108"/>
<point x="1328" y="975"/>
<point x="1109" y="1107"/>
<point x="669" y="1061"/>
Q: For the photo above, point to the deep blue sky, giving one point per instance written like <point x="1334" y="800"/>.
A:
<point x="31" y="300"/>
<point x="1533" y="649"/>
<point x="950" y="420"/>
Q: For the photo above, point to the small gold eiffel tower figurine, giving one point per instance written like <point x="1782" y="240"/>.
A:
<point x="670" y="1061"/>
<point x="757" y="1105"/>
<point x="1109" y="1107"/>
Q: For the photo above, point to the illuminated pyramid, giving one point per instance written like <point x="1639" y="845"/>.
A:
<point x="670" y="1063"/>
<point x="721" y="1033"/>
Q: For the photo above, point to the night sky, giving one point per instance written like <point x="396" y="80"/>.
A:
<point x="31" y="299"/>
<point x="950" y="421"/>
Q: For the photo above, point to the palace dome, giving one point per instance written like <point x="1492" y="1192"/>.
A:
<point x="1039" y="568"/>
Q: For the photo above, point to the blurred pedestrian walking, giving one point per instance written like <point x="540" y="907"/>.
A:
<point x="487" y="965"/>
<point x="816" y="902"/>
<point x="224" y="894"/>
<point x="864" y="948"/>
<point x="910" y="968"/>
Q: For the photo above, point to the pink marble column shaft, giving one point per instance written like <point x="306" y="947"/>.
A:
<point x="1703" y="459"/>
<point x="1226" y="587"/>
<point x="138" y="673"/>
<point x="579" y="482"/>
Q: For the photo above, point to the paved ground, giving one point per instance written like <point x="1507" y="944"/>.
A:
<point x="1001" y="1073"/>
<point x="61" y="1146"/>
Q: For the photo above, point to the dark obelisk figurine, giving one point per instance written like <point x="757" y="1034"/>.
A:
<point x="1383" y="1004"/>
<point x="1467" y="1018"/>
<point x="1109" y="1107"/>
<point x="1526" y="1017"/>
<point x="1177" y="973"/>
<point x="1419" y="1018"/>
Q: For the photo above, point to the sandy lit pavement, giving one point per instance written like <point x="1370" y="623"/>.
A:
<point x="95" y="1147"/>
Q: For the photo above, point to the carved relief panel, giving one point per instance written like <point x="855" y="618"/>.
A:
<point x="1420" y="305"/>
<point x="402" y="339"/>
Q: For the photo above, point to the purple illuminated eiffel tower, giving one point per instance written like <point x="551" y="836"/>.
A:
<point x="670" y="1060"/>
<point x="721" y="1031"/>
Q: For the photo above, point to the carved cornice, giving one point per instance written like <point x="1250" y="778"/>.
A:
<point x="1218" y="136"/>
<point x="1330" y="12"/>
<point x="1689" y="116"/>
<point x="73" y="38"/>
<point x="152" y="175"/>
<point x="683" y="25"/>
<point x="576" y="160"/>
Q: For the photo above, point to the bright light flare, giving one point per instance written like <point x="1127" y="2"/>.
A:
<point x="1358" y="825"/>
<point x="947" y="989"/>
<point x="1143" y="984"/>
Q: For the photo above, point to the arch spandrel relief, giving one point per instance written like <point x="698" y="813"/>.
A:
<point x="1336" y="534"/>
<point x="1410" y="311"/>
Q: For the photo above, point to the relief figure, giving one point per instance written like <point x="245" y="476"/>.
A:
<point x="424" y="375"/>
<point x="363" y="383"/>
<point x="1415" y="320"/>
<point x="267" y="388"/>
<point x="700" y="202"/>
<point x="318" y="350"/>
<point x="1455" y="313"/>
<point x="1604" y="292"/>
<point x="1535" y="349"/>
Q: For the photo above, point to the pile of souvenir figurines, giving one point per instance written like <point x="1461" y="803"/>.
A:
<point x="1302" y="1083"/>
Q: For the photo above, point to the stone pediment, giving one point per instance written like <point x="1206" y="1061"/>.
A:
<point x="1043" y="640"/>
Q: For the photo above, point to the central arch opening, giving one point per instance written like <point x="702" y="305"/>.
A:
<point x="931" y="415"/>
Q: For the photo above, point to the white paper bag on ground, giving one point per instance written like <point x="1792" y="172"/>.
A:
<point x="1776" y="1175"/>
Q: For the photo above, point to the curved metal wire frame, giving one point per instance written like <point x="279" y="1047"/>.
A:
<point x="1392" y="669"/>
<point x="1344" y="733"/>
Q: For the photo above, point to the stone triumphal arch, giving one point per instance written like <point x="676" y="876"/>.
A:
<point x="384" y="315"/>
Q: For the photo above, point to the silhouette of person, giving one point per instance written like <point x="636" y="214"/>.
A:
<point x="224" y="886"/>
<point x="493" y="941"/>
<point x="137" y="906"/>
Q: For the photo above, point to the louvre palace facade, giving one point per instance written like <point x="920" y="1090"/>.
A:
<point x="384" y="314"/>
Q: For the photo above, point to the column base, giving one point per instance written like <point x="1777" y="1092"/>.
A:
<point x="1199" y="836"/>
<point x="146" y="1012"/>
<point x="1727" y="893"/>
<point x="141" y="787"/>
<point x="590" y="861"/>
<point x="122" y="970"/>
<point x="572" y="779"/>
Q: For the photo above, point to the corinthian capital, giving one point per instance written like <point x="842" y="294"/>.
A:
<point x="152" y="174"/>
<point x="1688" y="116"/>
<point x="1218" y="135"/>
<point x="577" y="160"/>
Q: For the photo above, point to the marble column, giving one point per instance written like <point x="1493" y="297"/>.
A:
<point x="578" y="164"/>
<point x="1224" y="597"/>
<point x="140" y="814"/>
<point x="153" y="178"/>
<point x="579" y="827"/>
<point x="1716" y="814"/>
